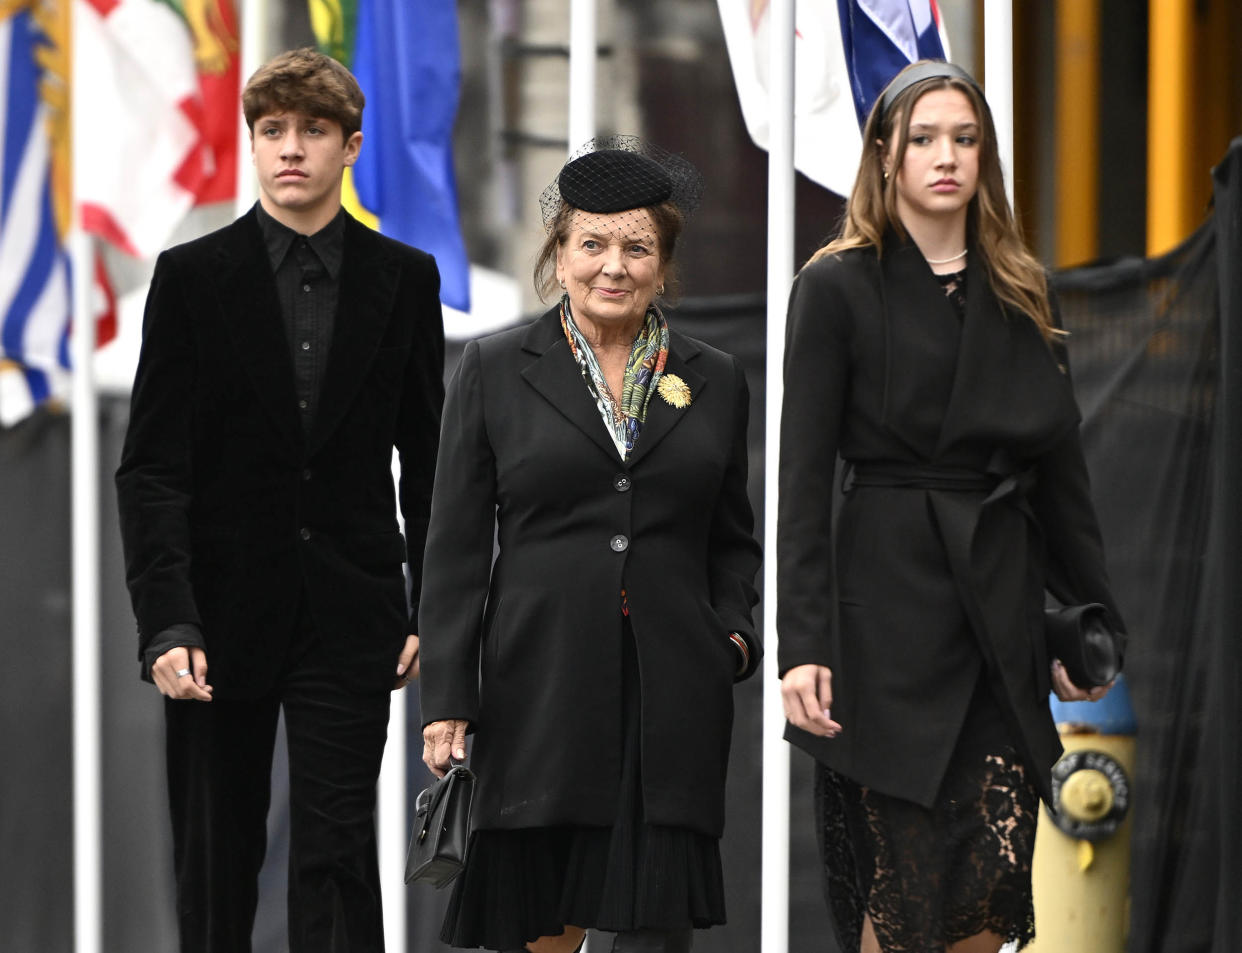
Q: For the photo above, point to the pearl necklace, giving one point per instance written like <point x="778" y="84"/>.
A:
<point x="945" y="261"/>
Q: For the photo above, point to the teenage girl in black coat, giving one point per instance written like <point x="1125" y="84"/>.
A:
<point x="923" y="350"/>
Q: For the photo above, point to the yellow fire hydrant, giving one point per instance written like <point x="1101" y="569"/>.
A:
<point x="1081" y="872"/>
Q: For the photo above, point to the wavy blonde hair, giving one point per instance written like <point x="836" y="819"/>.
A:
<point x="1015" y="275"/>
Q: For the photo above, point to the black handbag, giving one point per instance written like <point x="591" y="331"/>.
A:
<point x="1088" y="647"/>
<point x="441" y="829"/>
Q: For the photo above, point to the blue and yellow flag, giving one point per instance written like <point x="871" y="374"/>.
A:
<point x="406" y="58"/>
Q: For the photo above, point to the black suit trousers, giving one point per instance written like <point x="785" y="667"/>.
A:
<point x="219" y="780"/>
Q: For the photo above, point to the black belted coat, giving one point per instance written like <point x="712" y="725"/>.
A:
<point x="923" y="586"/>
<point x="528" y="650"/>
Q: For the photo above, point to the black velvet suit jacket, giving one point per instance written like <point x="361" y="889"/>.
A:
<point x="529" y="649"/>
<point x="230" y="514"/>
<point x="913" y="591"/>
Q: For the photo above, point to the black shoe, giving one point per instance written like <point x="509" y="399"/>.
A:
<point x="653" y="941"/>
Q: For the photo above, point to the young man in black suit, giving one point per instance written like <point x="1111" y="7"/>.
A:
<point x="283" y="359"/>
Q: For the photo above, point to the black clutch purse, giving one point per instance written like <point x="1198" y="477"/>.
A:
<point x="1088" y="647"/>
<point x="441" y="829"/>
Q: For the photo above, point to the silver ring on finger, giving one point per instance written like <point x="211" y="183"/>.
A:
<point x="182" y="672"/>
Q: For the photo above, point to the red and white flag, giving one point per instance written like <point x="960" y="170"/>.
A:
<point x="143" y="156"/>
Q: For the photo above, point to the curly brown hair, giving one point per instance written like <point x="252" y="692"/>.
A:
<point x="308" y="82"/>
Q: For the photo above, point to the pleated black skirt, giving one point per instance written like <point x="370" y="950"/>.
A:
<point x="519" y="885"/>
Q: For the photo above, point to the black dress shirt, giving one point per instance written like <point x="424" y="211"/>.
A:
<point x="307" y="269"/>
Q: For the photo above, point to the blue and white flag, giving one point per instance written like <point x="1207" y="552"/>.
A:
<point x="881" y="38"/>
<point x="846" y="51"/>
<point x="35" y="274"/>
<point x="34" y="270"/>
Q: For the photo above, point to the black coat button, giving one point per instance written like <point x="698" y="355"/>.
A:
<point x="621" y="482"/>
<point x="619" y="544"/>
<point x="305" y="533"/>
<point x="306" y="474"/>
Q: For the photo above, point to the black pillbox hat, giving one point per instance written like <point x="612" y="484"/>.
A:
<point x="614" y="180"/>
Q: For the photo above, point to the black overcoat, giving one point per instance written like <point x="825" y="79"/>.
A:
<point x="528" y="650"/>
<point x="230" y="514"/>
<point x="923" y="588"/>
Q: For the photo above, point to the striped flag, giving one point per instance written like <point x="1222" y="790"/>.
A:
<point x="34" y="268"/>
<point x="846" y="51"/>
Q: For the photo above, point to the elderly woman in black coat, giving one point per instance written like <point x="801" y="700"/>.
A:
<point x="594" y="658"/>
<point x="923" y="350"/>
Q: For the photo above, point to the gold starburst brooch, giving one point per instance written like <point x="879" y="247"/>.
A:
<point x="674" y="390"/>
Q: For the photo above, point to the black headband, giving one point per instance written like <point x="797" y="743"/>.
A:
<point x="931" y="69"/>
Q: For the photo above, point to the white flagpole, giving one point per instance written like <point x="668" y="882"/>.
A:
<point x="581" y="120"/>
<point x="253" y="52"/>
<point x="998" y="82"/>
<point x="998" y="63"/>
<point x="774" y="931"/>
<point x="391" y="828"/>
<point x="84" y="659"/>
<point x="582" y="42"/>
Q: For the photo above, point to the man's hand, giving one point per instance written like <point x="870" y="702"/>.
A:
<point x="407" y="663"/>
<point x="442" y="739"/>
<point x="806" y="692"/>
<point x="182" y="673"/>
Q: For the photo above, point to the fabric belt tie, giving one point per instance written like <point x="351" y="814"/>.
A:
<point x="1001" y="480"/>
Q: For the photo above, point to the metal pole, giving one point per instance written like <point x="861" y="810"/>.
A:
<point x="581" y="126"/>
<point x="1171" y="124"/>
<point x="998" y="62"/>
<point x="84" y="463"/>
<point x="391" y="826"/>
<point x="1077" y="131"/>
<point x="582" y="43"/>
<point x="253" y="52"/>
<point x="87" y="786"/>
<point x="774" y="931"/>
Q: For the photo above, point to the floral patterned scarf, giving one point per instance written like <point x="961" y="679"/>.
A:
<point x="624" y="418"/>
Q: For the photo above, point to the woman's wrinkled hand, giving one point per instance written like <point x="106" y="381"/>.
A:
<point x="1067" y="691"/>
<point x="443" y="741"/>
<point x="806" y="692"/>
